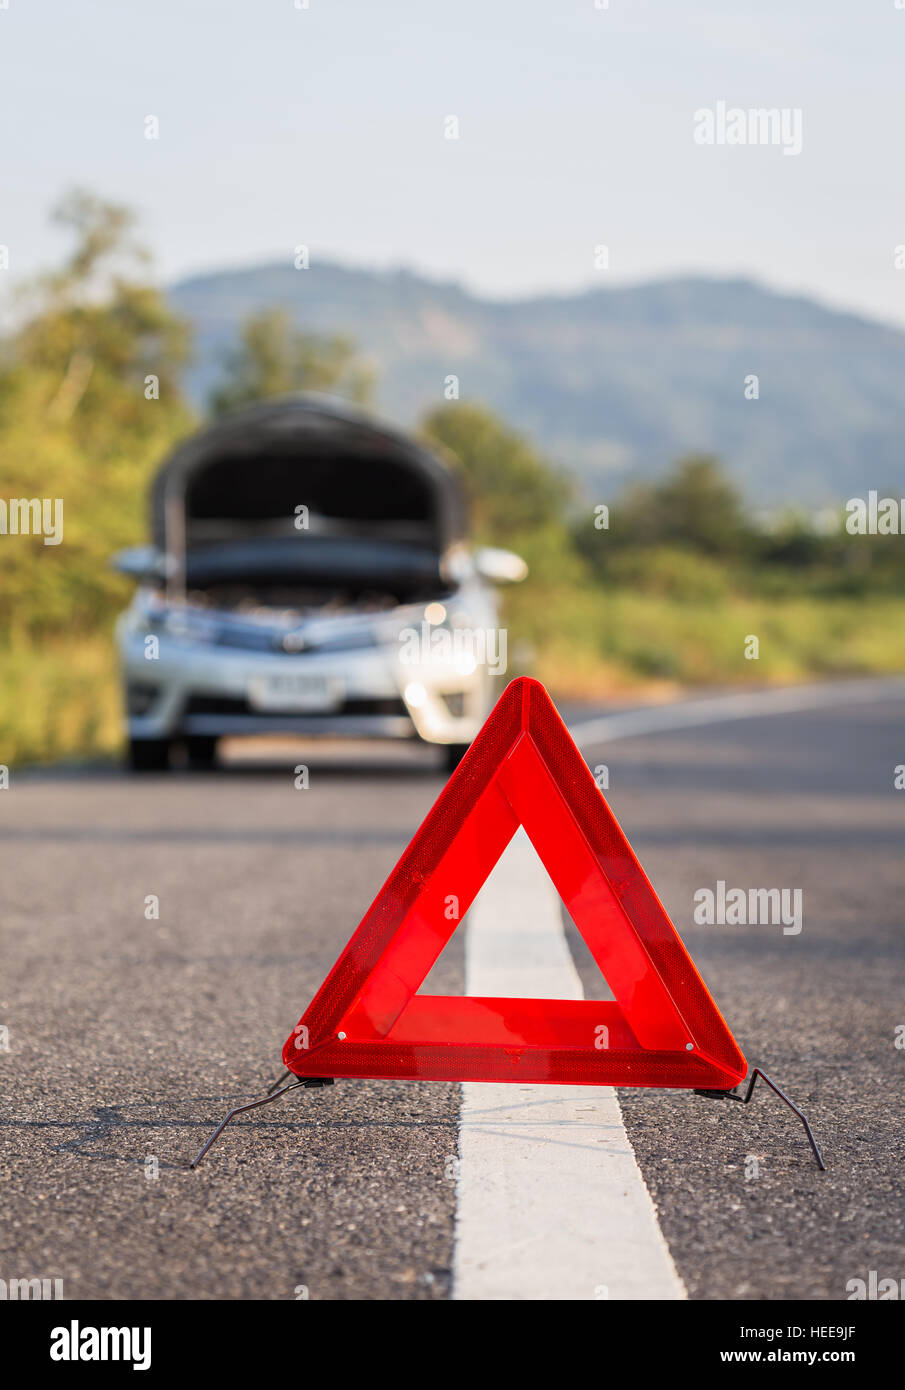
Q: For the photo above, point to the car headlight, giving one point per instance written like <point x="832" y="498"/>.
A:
<point x="182" y="623"/>
<point x="190" y="627"/>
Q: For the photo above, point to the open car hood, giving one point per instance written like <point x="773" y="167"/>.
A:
<point x="226" y="502"/>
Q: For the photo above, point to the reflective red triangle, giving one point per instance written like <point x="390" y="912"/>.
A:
<point x="367" y="1019"/>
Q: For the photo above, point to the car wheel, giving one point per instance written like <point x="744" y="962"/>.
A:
<point x="453" y="753"/>
<point x="149" y="754"/>
<point x="201" y="752"/>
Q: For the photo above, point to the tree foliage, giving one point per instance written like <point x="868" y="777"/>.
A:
<point x="274" y="358"/>
<point x="512" y="489"/>
<point x="90" y="399"/>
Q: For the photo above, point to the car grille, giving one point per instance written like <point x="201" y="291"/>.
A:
<point x="266" y="640"/>
<point x="222" y="704"/>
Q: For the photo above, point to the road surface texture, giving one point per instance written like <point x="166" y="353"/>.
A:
<point x="130" y="1034"/>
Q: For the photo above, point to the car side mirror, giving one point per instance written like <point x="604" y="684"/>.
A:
<point x="140" y="562"/>
<point x="500" y="566"/>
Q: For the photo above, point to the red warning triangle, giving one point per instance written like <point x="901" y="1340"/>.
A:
<point x="663" y="1029"/>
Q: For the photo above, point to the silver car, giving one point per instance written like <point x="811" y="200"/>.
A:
<point x="310" y="575"/>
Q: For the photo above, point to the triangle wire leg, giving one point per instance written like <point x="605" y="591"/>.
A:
<point x="253" y="1105"/>
<point x="279" y="1081"/>
<point x="794" y="1108"/>
<point x="744" y="1099"/>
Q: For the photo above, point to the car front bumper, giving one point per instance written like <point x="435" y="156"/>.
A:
<point x="195" y="689"/>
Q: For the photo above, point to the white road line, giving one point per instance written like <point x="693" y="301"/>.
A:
<point x="550" y="1201"/>
<point x="718" y="709"/>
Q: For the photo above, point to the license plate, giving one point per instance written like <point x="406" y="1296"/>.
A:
<point x="293" y="691"/>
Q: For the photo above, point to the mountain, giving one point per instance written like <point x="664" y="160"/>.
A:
<point x="611" y="382"/>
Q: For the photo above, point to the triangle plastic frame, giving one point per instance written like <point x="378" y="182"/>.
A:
<point x="662" y="1028"/>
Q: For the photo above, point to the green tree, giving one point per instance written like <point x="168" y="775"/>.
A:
<point x="518" y="500"/>
<point x="695" y="508"/>
<point x="512" y="489"/>
<point x="274" y="358"/>
<point x="90" y="400"/>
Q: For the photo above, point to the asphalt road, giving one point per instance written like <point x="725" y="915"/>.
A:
<point x="130" y="1036"/>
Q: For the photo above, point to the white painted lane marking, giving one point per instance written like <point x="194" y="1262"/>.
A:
<point x="718" y="709"/>
<point x="550" y="1202"/>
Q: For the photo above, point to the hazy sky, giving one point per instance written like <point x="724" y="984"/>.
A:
<point x="281" y="125"/>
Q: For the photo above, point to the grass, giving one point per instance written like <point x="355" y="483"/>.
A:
<point x="60" y="698"/>
<point x="592" y="642"/>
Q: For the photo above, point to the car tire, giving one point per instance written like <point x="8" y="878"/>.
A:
<point x="201" y="751"/>
<point x="453" y="753"/>
<point x="148" y="755"/>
